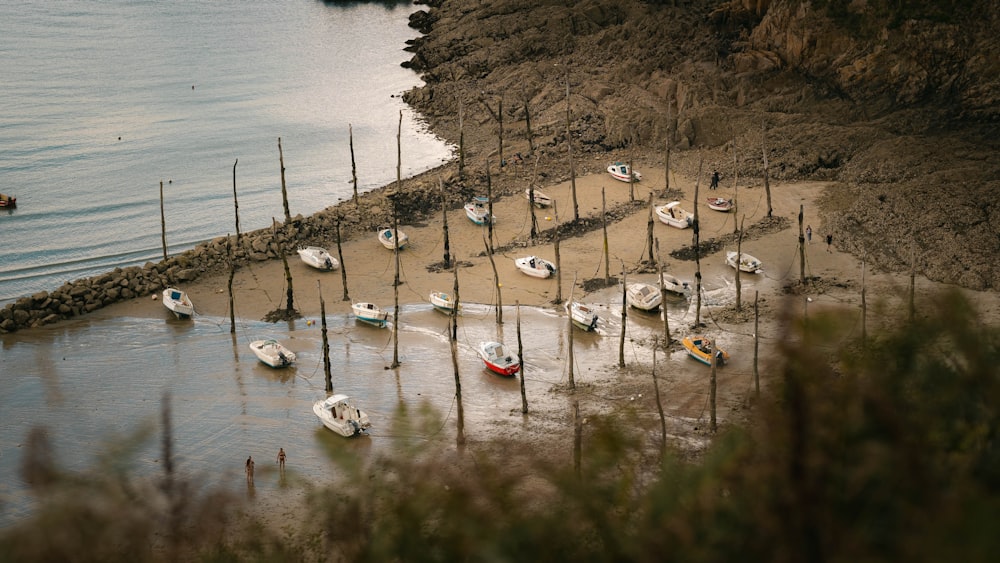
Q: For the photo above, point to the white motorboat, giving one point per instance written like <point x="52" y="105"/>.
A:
<point x="498" y="359"/>
<point x="583" y="316"/>
<point x="318" y="258"/>
<point x="443" y="302"/>
<point x="477" y="210"/>
<point x="535" y="266"/>
<point x="675" y="287"/>
<point x="370" y="313"/>
<point x="747" y="263"/>
<point x="387" y="237"/>
<point x="674" y="215"/>
<point x="272" y="353"/>
<point x="178" y="302"/>
<point x="720" y="204"/>
<point x="339" y="414"/>
<point x="620" y="171"/>
<point x="541" y="200"/>
<point x="643" y="296"/>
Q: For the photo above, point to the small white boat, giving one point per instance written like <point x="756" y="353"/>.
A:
<point x="387" y="238"/>
<point x="720" y="204"/>
<point x="620" y="171"/>
<point x="541" y="200"/>
<point x="443" y="302"/>
<point x="698" y="347"/>
<point x="583" y="316"/>
<point x="675" y="287"/>
<point x="178" y="302"/>
<point x="535" y="266"/>
<point x="674" y="215"/>
<point x="477" y="211"/>
<point x="370" y="313"/>
<point x="643" y="296"/>
<point x="498" y="359"/>
<point x="338" y="413"/>
<point x="747" y="263"/>
<point x="272" y="353"/>
<point x="318" y="258"/>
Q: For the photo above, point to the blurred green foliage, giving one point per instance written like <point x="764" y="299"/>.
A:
<point x="883" y="450"/>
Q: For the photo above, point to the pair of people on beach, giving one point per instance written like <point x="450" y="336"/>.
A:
<point x="250" y="463"/>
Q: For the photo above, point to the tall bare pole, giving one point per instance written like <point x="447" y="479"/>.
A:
<point x="555" y="248"/>
<point x="289" y="292"/>
<point x="631" y="181"/>
<point x="767" y="182"/>
<point x="663" y="298"/>
<point x="461" y="141"/>
<point x="395" y="288"/>
<point x="531" y="201"/>
<point x="453" y="340"/>
<point x="354" y="166"/>
<point x="489" y="204"/>
<point x="736" y="177"/>
<point x="236" y="202"/>
<point x="326" y="340"/>
<point x="659" y="403"/>
<point x="520" y="357"/>
<point x="621" y="339"/>
<point x="569" y="321"/>
<point x="569" y="154"/>
<point x="163" y="224"/>
<point x="802" y="247"/>
<point x="712" y="385"/>
<point x="756" y="343"/>
<point x="232" y="274"/>
<point x="697" y="249"/>
<point x="913" y="283"/>
<point x="527" y="120"/>
<point x="498" y="117"/>
<point x="864" y="304"/>
<point x="739" y="256"/>
<point x="496" y="282"/>
<point x="284" y="189"/>
<point x="444" y="222"/>
<point x="649" y="231"/>
<point x="604" y="227"/>
<point x="577" y="437"/>
<point x="667" y="142"/>
<point x="340" y="255"/>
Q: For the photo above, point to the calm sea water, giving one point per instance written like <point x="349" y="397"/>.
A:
<point x="104" y="99"/>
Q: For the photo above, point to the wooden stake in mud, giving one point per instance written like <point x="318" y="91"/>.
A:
<point x="284" y="190"/>
<point x="498" y="117"/>
<point x="496" y="282"/>
<point x="354" y="167"/>
<point x="736" y="177"/>
<point x="621" y="339"/>
<point x="444" y="223"/>
<point x="767" y="183"/>
<point x="712" y="384"/>
<point x="289" y="293"/>
<point x="569" y="319"/>
<point x="604" y="227"/>
<point x="236" y="202"/>
<point x="340" y="255"/>
<point x="864" y="304"/>
<point x="531" y="202"/>
<point x="663" y="298"/>
<point x="667" y="142"/>
<point x="555" y="248"/>
<point x="739" y="255"/>
<point x="526" y="99"/>
<point x="453" y="340"/>
<point x="631" y="181"/>
<point x="649" y="231"/>
<point x="659" y="403"/>
<point x="461" y="141"/>
<point x="163" y="225"/>
<point x="756" y="343"/>
<point x="520" y="356"/>
<point x="577" y="437"/>
<point x="326" y="340"/>
<point x="232" y="274"/>
<point x="913" y="283"/>
<point x="489" y="205"/>
<point x="802" y="248"/>
<point x="395" y="288"/>
<point x="569" y="154"/>
<point x="697" y="249"/>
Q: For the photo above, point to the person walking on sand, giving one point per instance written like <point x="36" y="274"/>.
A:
<point x="281" y="459"/>
<point x="809" y="234"/>
<point x="829" y="241"/>
<point x="715" y="181"/>
<point x="249" y="470"/>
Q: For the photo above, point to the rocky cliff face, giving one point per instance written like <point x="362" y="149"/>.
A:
<point x="897" y="101"/>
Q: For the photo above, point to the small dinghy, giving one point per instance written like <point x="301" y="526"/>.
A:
<point x="370" y="313"/>
<point x="535" y="267"/>
<point x="620" y="171"/>
<point x="746" y="262"/>
<point x="541" y="200"/>
<point x="675" y="287"/>
<point x="338" y="413"/>
<point x="272" y="353"/>
<point x="318" y="258"/>
<point x="388" y="238"/>
<point x="674" y="215"/>
<point x="498" y="359"/>
<point x="699" y="347"/>
<point x="8" y="201"/>
<point x="178" y="302"/>
<point x="477" y="211"/>
<point x="643" y="296"/>
<point x="583" y="316"/>
<point x="443" y="302"/>
<point x="720" y="204"/>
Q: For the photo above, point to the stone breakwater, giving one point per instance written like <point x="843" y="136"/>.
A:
<point x="86" y="295"/>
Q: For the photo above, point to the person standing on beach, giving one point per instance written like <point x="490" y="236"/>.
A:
<point x="809" y="234"/>
<point x="829" y="241"/>
<point x="249" y="470"/>
<point x="281" y="459"/>
<point x="715" y="181"/>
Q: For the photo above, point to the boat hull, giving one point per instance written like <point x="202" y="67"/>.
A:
<point x="643" y="296"/>
<point x="178" y="303"/>
<point x="386" y="238"/>
<point x="583" y="317"/>
<point x="318" y="258"/>
<point x="673" y="215"/>
<point x="369" y="313"/>
<point x="443" y="302"/>
<point x="541" y="200"/>
<point x="273" y="354"/>
<point x="620" y="171"/>
<point x="339" y="415"/>
<point x="497" y="360"/>
<point x="720" y="204"/>
<point x="535" y="267"/>
<point x="746" y="263"/>
<point x="698" y="348"/>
